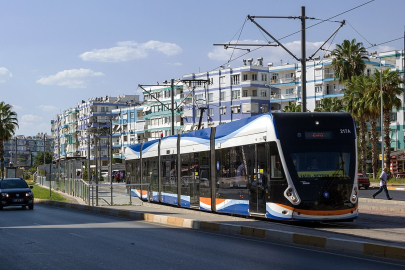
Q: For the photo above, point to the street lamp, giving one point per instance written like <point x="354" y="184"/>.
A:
<point x="374" y="54"/>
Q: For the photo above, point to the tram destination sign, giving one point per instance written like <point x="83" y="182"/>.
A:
<point x="318" y="135"/>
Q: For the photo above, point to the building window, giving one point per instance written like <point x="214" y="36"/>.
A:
<point x="274" y="77"/>
<point x="222" y="80"/>
<point x="198" y="112"/>
<point x="318" y="88"/>
<point x="245" y="77"/>
<point x="254" y="93"/>
<point x="264" y="77"/>
<point x="199" y="97"/>
<point x="236" y="94"/>
<point x="289" y="91"/>
<point x="222" y="96"/>
<point x="289" y="76"/>
<point x="254" y="77"/>
<point x="318" y="72"/>
<point x="317" y="103"/>
<point x="265" y="108"/>
<point x="222" y="110"/>
<point x="132" y="115"/>
<point x="393" y="116"/>
<point x="235" y="109"/>
<point x="210" y="97"/>
<point x="245" y="93"/>
<point x="210" y="111"/>
<point x="263" y="93"/>
<point x="235" y="79"/>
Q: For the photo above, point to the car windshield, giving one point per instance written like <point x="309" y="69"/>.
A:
<point x="13" y="184"/>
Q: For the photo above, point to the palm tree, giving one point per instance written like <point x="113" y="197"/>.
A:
<point x="8" y="125"/>
<point x="292" y="107"/>
<point x="354" y="103"/>
<point x="348" y="60"/>
<point x="330" y="105"/>
<point x="391" y="81"/>
<point x="372" y="113"/>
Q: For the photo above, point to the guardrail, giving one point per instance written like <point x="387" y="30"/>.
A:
<point x="95" y="194"/>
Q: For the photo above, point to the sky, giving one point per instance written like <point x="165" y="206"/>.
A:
<point x="54" y="54"/>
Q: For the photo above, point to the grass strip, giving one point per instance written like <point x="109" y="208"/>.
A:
<point x="43" y="193"/>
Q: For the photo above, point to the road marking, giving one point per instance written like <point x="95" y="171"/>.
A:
<point x="78" y="235"/>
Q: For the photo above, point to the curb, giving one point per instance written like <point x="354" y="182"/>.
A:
<point x="271" y="235"/>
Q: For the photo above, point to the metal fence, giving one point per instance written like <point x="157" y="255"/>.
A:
<point x="94" y="194"/>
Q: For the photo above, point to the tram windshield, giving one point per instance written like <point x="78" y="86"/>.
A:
<point x="321" y="165"/>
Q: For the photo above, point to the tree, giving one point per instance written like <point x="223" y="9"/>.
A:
<point x="348" y="60"/>
<point x="391" y="81"/>
<point x="353" y="100"/>
<point x="8" y="126"/>
<point x="330" y="105"/>
<point x="292" y="107"/>
<point x="39" y="159"/>
<point x="372" y="112"/>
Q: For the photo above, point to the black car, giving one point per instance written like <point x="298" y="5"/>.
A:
<point x="15" y="192"/>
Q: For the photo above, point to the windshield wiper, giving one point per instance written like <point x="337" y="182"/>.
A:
<point x="335" y="175"/>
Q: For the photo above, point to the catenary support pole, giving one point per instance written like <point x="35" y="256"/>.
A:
<point x="303" y="62"/>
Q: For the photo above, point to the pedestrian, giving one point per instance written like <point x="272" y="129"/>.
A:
<point x="118" y="177"/>
<point x="383" y="184"/>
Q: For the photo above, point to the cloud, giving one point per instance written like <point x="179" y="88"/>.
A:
<point x="177" y="64"/>
<point x="5" y="74"/>
<point x="73" y="78"/>
<point x="384" y="49"/>
<point x="269" y="54"/>
<point x="47" y="108"/>
<point x="17" y="108"/>
<point x="30" y="118"/>
<point x="130" y="50"/>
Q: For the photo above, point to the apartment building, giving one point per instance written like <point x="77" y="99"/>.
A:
<point x="77" y="128"/>
<point x="157" y="109"/>
<point x="230" y="94"/>
<point x="128" y="128"/>
<point x="21" y="150"/>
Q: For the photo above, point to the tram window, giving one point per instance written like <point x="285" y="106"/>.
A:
<point x="276" y="167"/>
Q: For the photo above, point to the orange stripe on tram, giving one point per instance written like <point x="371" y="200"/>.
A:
<point x="319" y="212"/>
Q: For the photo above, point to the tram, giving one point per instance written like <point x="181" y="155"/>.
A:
<point x="284" y="166"/>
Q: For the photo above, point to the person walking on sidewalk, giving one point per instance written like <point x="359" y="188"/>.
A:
<point x="383" y="184"/>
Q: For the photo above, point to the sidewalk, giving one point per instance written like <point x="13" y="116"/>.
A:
<point x="389" y="186"/>
<point x="345" y="237"/>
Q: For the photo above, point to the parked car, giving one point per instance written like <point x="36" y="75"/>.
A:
<point x="363" y="181"/>
<point x="401" y="175"/>
<point x="15" y="192"/>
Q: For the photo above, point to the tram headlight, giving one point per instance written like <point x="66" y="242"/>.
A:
<point x="354" y="197"/>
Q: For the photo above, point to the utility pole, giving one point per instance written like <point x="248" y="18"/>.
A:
<point x="303" y="58"/>
<point x="44" y="148"/>
<point x="303" y="63"/>
<point x="172" y="96"/>
<point x="16" y="151"/>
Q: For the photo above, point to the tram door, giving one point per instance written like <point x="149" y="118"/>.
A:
<point x="194" y="185"/>
<point x="258" y="185"/>
<point x="190" y="179"/>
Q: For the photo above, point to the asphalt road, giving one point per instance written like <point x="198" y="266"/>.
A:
<point x="54" y="238"/>
<point x="398" y="195"/>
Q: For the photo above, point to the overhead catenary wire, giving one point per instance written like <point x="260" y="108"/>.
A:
<point x="360" y="34"/>
<point x="322" y="21"/>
